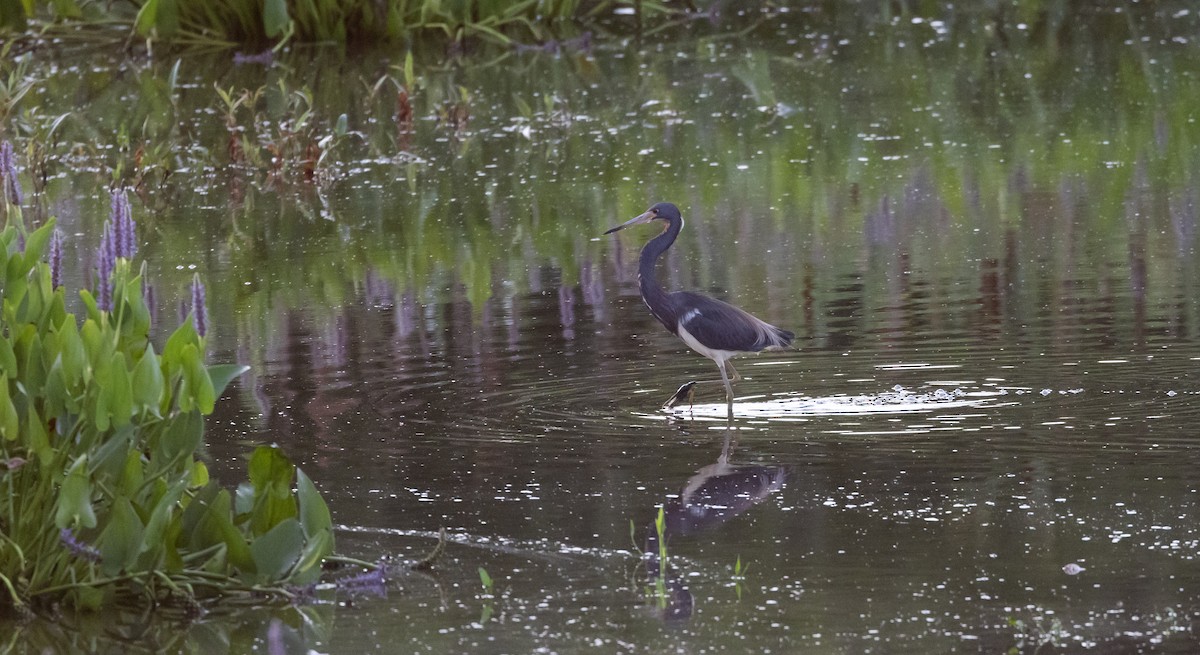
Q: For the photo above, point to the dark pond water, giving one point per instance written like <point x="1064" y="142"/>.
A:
<point x="983" y="233"/>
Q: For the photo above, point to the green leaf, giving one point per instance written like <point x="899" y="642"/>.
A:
<point x="147" y="17"/>
<point x="73" y="354"/>
<point x="75" y="497"/>
<point x="148" y="383"/>
<point x="276" y="552"/>
<point x="275" y="17"/>
<point x="199" y="474"/>
<point x="166" y="508"/>
<point x="55" y="392"/>
<point x="8" y="360"/>
<point x="121" y="541"/>
<point x="28" y="349"/>
<point x="215" y="525"/>
<point x="182" y="437"/>
<point x="167" y="19"/>
<point x="93" y="344"/>
<point x="107" y="461"/>
<point x="35" y="244"/>
<point x="39" y="438"/>
<point x="198" y="382"/>
<point x="182" y="336"/>
<point x="316" y="549"/>
<point x="10" y="422"/>
<point x="314" y="514"/>
<point x="271" y="474"/>
<point x="120" y="400"/>
<point x="222" y="374"/>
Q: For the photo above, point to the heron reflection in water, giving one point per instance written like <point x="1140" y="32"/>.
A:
<point x="714" y="495"/>
<point x="712" y="328"/>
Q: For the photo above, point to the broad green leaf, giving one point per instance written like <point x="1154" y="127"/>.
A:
<point x="316" y="549"/>
<point x="148" y="383"/>
<point x="199" y="474"/>
<point x="167" y="20"/>
<point x="277" y="551"/>
<point x="222" y="374"/>
<point x="215" y="525"/>
<point x="74" y="356"/>
<point x="39" y="439"/>
<point x="92" y="598"/>
<point x="93" y="343"/>
<point x="8" y="360"/>
<point x="120" y="401"/>
<point x="275" y="17"/>
<point x="55" y="394"/>
<point x="182" y="437"/>
<point x="183" y="335"/>
<point x="108" y="460"/>
<point x="132" y="475"/>
<point x="89" y="301"/>
<point x="314" y="514"/>
<point x="147" y="17"/>
<point x="28" y="349"/>
<point x="75" y="497"/>
<point x="198" y="382"/>
<point x="135" y="323"/>
<point x="35" y="243"/>
<point x="10" y="423"/>
<point x="271" y="474"/>
<point x="164" y="509"/>
<point x="121" y="540"/>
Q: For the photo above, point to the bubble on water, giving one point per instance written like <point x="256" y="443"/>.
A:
<point x="1046" y="392"/>
<point x="1073" y="569"/>
<point x="1171" y="393"/>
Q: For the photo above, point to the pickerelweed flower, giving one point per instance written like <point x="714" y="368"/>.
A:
<point x="8" y="174"/>
<point x="56" y="255"/>
<point x="106" y="260"/>
<point x="199" y="311"/>
<point x="124" y="229"/>
<point x="370" y="583"/>
<point x="78" y="548"/>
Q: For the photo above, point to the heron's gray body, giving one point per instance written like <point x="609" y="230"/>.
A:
<point x="709" y="326"/>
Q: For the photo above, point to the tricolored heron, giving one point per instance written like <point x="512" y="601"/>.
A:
<point x="712" y="328"/>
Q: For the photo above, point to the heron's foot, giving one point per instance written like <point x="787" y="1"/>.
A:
<point x="685" y="392"/>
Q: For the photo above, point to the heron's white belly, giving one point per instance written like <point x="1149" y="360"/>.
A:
<point x="715" y="355"/>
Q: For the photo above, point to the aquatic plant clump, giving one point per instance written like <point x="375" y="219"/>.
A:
<point x="342" y="21"/>
<point x="104" y="493"/>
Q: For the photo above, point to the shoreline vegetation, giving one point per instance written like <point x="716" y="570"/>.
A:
<point x="274" y="23"/>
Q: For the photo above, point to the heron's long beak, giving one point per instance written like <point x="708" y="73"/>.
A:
<point x="636" y="220"/>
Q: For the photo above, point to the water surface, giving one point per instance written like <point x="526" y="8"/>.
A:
<point x="983" y="234"/>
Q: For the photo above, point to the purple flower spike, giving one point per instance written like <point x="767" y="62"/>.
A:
<point x="78" y="548"/>
<point x="370" y="583"/>
<point x="199" y="311"/>
<point x="124" y="229"/>
<point x="107" y="260"/>
<point x="56" y="255"/>
<point x="8" y="174"/>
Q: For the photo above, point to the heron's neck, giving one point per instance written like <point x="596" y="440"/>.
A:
<point x="652" y="291"/>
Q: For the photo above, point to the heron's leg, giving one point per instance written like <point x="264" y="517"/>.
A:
<point x="721" y="364"/>
<point x="734" y="376"/>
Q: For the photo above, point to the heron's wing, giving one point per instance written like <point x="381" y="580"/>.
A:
<point x="721" y="326"/>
